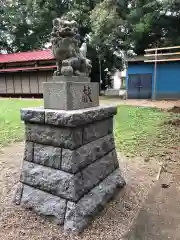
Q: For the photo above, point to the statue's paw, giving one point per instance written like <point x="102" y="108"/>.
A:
<point x="77" y="73"/>
<point x="57" y="73"/>
<point x="67" y="71"/>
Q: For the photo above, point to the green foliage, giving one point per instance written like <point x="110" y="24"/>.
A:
<point x="154" y="23"/>
<point x="108" y="35"/>
<point x="144" y="30"/>
<point x="26" y="25"/>
<point x="113" y="25"/>
<point x="81" y="11"/>
<point x="143" y="132"/>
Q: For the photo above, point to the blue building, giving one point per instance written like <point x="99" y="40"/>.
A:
<point x="152" y="79"/>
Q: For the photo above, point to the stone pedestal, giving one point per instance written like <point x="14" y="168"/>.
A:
<point x="70" y="168"/>
<point x="70" y="93"/>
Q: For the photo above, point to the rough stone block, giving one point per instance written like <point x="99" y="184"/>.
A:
<point x="47" y="155"/>
<point x="44" y="203"/>
<point x="64" y="118"/>
<point x="79" y="117"/>
<point x="33" y="115"/>
<point x="71" y="79"/>
<point x="115" y="159"/>
<point x="79" y="215"/>
<point x="18" y="193"/>
<point x="60" y="137"/>
<point x="98" y="171"/>
<point x="70" y="95"/>
<point x="73" y="161"/>
<point x="68" y="185"/>
<point x="28" y="152"/>
<point x="54" y="181"/>
<point x="69" y="157"/>
<point x="97" y="130"/>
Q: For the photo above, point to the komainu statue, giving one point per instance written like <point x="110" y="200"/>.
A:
<point x="70" y="58"/>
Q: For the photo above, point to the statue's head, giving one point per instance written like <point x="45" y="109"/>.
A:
<point x="65" y="28"/>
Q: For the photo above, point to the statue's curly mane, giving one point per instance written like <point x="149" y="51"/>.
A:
<point x="65" y="41"/>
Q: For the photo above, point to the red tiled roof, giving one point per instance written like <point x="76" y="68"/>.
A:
<point x="27" y="68"/>
<point x="27" y="56"/>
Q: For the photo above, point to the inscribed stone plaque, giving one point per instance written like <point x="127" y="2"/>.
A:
<point x="70" y="95"/>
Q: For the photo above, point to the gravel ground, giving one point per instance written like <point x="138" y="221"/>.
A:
<point x="19" y="224"/>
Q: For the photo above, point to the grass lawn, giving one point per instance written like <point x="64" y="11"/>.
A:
<point x="138" y="131"/>
<point x="145" y="132"/>
<point x="11" y="127"/>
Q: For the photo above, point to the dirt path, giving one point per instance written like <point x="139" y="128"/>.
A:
<point x="141" y="103"/>
<point x="19" y="224"/>
<point x="159" y="216"/>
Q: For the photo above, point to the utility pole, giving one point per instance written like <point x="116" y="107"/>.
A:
<point x="100" y="75"/>
<point x="155" y="75"/>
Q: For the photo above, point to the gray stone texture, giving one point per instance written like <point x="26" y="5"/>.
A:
<point x="54" y="181"/>
<point x="55" y="95"/>
<point x="18" y="193"/>
<point x="68" y="118"/>
<point x="78" y="215"/>
<point x="98" y="171"/>
<point x="68" y="185"/>
<point x="44" y="203"/>
<point x="69" y="95"/>
<point x="79" y="117"/>
<point x="97" y="130"/>
<point x="61" y="137"/>
<point x="28" y="152"/>
<point x="69" y="168"/>
<point x="47" y="155"/>
<point x="32" y="115"/>
<point x="71" y="79"/>
<point x="74" y="160"/>
<point x="115" y="159"/>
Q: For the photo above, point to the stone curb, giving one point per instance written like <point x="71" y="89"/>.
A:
<point x="67" y="118"/>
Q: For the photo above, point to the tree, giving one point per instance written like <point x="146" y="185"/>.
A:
<point x="80" y="11"/>
<point x="170" y="22"/>
<point x="114" y="26"/>
<point x="154" y="24"/>
<point x="26" y="25"/>
<point x="144" y="28"/>
<point x="4" y="35"/>
<point x="109" y="31"/>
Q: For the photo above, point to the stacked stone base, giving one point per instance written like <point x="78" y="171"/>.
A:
<point x="70" y="168"/>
